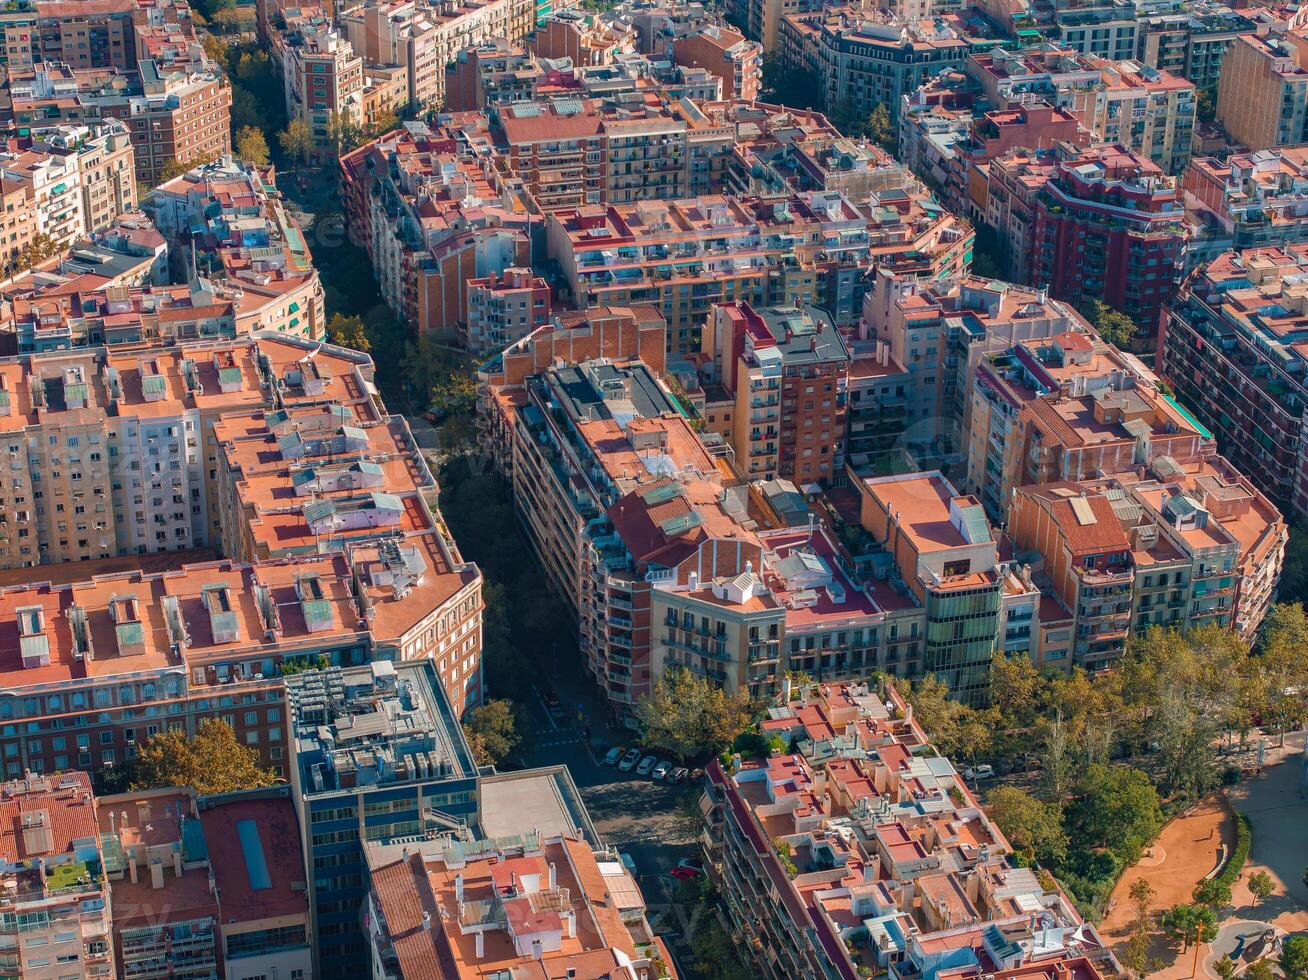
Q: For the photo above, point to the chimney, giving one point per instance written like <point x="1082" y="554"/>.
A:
<point x="537" y="949"/>
<point x="554" y="877"/>
<point x="132" y="871"/>
<point x="569" y="923"/>
<point x="458" y="887"/>
<point x="785" y="690"/>
<point x="426" y="920"/>
<point x="480" y="940"/>
<point x="156" y="874"/>
<point x="177" y="861"/>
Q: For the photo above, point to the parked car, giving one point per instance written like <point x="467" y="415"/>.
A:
<point x="980" y="772"/>
<point x="678" y="775"/>
<point x="434" y="417"/>
<point x="629" y="760"/>
<point x="687" y="868"/>
<point x="661" y="771"/>
<point x="614" y="755"/>
<point x="646" y="766"/>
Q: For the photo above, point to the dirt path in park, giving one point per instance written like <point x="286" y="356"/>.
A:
<point x="1186" y="850"/>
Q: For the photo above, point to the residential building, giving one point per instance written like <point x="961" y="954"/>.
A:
<point x="1262" y="98"/>
<point x="937" y="332"/>
<point x="803" y="249"/>
<point x="504" y="308"/>
<point x="860" y="61"/>
<point x="545" y="898"/>
<point x="84" y="36"/>
<point x="727" y="54"/>
<point x="942" y="547"/>
<point x="1072" y="363"/>
<point x="225" y="223"/>
<point x="209" y="886"/>
<point x="1103" y="28"/>
<point x="67" y="181"/>
<point x="378" y="755"/>
<point x="1190" y="39"/>
<point x="1149" y="111"/>
<point x="1245" y="201"/>
<point x="322" y="78"/>
<point x="1108" y="225"/>
<point x="788" y="370"/>
<point x="896" y="868"/>
<point x="1231" y="353"/>
<point x="433" y="218"/>
<point x="425" y="37"/>
<point x="177" y="112"/>
<point x="1088" y="560"/>
<point x="55" y="899"/>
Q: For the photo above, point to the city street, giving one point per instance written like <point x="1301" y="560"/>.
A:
<point x="638" y="816"/>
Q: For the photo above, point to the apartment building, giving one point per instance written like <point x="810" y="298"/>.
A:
<point x="1072" y="363"/>
<point x="55" y="899"/>
<point x="584" y="39"/>
<point x="937" y="332"/>
<point x="1110" y="428"/>
<point x="571" y="153"/>
<point x="322" y="80"/>
<point x="432" y="218"/>
<point x="64" y="183"/>
<point x="546" y="898"/>
<point x="952" y="149"/>
<point x="861" y="60"/>
<point x="728" y="55"/>
<point x="424" y="37"/>
<point x="504" y="308"/>
<point x="226" y="224"/>
<point x="1108" y="225"/>
<point x="1103" y="28"/>
<point x="687" y="256"/>
<point x="588" y="335"/>
<point x="83" y="35"/>
<point x="1191" y="40"/>
<point x="896" y="867"/>
<point x="1232" y="356"/>
<point x="1245" y="201"/>
<point x="1262" y="98"/>
<point x="942" y="547"/>
<point x="176" y="112"/>
<point x="378" y="755"/>
<point x="1089" y="562"/>
<point x="1151" y="112"/>
<point x="788" y="371"/>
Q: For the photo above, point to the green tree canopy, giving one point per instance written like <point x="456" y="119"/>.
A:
<point x="1294" y="958"/>
<point x="1186" y="924"/>
<point x="213" y="761"/>
<point x="689" y="716"/>
<point x="296" y="140"/>
<point x="1117" y="808"/>
<point x="251" y="146"/>
<point x="493" y="731"/>
<point x="1033" y="828"/>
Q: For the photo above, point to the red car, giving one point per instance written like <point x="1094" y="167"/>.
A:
<point x="686" y="869"/>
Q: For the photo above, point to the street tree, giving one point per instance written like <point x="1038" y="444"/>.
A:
<point x="689" y="716"/>
<point x="251" y="146"/>
<point x="494" y="731"/>
<point x="297" y="140"/>
<point x="348" y="331"/>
